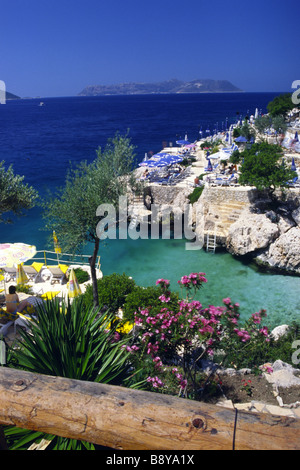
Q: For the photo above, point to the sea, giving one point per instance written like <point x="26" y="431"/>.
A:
<point x="42" y="137"/>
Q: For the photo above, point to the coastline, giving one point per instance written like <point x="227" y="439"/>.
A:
<point x="226" y="211"/>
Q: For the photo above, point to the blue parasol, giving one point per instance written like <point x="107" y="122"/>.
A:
<point x="293" y="167"/>
<point x="241" y="139"/>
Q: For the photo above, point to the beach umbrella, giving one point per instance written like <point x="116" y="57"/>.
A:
<point x="73" y="286"/>
<point x="209" y="165"/>
<point x="21" y="277"/>
<point x="293" y="167"/>
<point x="57" y="247"/>
<point x="241" y="139"/>
<point x="296" y="136"/>
<point x="149" y="163"/>
<point x="15" y="253"/>
<point x="182" y="142"/>
<point x="170" y="160"/>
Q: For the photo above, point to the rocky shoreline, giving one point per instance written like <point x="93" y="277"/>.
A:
<point x="247" y="224"/>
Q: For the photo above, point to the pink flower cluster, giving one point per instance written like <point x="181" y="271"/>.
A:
<point x="181" y="381"/>
<point x="166" y="331"/>
<point x="155" y="382"/>
<point x="193" y="280"/>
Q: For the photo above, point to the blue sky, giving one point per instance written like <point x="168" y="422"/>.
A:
<point x="56" y="48"/>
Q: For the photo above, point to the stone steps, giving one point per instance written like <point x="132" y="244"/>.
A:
<point x="225" y="215"/>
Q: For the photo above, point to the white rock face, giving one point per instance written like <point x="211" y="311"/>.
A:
<point x="251" y="232"/>
<point x="279" y="331"/>
<point x="296" y="216"/>
<point x="284" y="253"/>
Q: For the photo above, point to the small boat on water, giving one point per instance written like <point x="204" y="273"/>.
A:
<point x="41" y="103"/>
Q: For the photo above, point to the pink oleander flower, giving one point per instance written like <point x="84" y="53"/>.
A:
<point x="256" y="318"/>
<point x="244" y="335"/>
<point x="163" y="282"/>
<point x="227" y="301"/>
<point x="163" y="298"/>
<point x="264" y="331"/>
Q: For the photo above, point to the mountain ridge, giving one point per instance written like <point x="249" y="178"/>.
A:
<point x="165" y="87"/>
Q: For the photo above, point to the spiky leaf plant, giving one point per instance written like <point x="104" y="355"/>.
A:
<point x="69" y="340"/>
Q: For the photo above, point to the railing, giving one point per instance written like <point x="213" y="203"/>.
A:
<point x="127" y="419"/>
<point x="43" y="255"/>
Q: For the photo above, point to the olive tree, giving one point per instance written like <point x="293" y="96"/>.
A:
<point x="264" y="168"/>
<point x="15" y="195"/>
<point x="71" y="212"/>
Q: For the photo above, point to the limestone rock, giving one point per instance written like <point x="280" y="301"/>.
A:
<point x="284" y="253"/>
<point x="296" y="216"/>
<point x="251" y="232"/>
<point x="283" y="375"/>
<point x="279" y="331"/>
<point x="285" y="224"/>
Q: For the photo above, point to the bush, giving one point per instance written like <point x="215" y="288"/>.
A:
<point x="112" y="290"/>
<point x="195" y="195"/>
<point x="81" y="275"/>
<point x="141" y="298"/>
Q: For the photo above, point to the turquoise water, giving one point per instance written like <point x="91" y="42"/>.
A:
<point x="148" y="260"/>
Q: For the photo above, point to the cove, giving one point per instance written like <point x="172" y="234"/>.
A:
<point x="147" y="260"/>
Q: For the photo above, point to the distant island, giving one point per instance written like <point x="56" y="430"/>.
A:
<point x="11" y="96"/>
<point x="166" y="87"/>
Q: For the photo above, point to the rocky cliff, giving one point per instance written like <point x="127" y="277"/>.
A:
<point x="245" y="224"/>
<point x="271" y="237"/>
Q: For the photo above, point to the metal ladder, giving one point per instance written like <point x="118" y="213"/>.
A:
<point x="211" y="239"/>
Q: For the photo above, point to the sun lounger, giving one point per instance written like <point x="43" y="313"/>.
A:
<point x="33" y="271"/>
<point x="58" y="273"/>
<point x="9" y="273"/>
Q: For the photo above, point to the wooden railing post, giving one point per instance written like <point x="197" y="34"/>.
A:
<point x="127" y="419"/>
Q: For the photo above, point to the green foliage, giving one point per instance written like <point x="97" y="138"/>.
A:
<point x="247" y="131"/>
<point x="263" y="168"/>
<point x="81" y="275"/>
<point x="280" y="105"/>
<point x="236" y="132"/>
<point x="144" y="297"/>
<point x="112" y="291"/>
<point x="71" y="212"/>
<point x="195" y="195"/>
<point x="262" y="123"/>
<point x="69" y="341"/>
<point x="23" y="288"/>
<point x="15" y="195"/>
<point x="235" y="157"/>
<point x="279" y="124"/>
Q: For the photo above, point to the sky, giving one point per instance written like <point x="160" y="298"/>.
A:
<point x="54" y="48"/>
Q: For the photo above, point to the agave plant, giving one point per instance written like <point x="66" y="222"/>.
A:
<point x="68" y="341"/>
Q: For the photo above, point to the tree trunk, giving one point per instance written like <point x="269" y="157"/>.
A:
<point x="92" y="261"/>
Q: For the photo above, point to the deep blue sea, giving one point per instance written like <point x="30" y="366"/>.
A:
<point x="41" y="141"/>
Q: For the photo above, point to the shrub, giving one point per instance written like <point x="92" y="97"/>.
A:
<point x="195" y="195"/>
<point x="171" y="338"/>
<point x="112" y="291"/>
<point x="71" y="341"/>
<point x="144" y="297"/>
<point x="81" y="275"/>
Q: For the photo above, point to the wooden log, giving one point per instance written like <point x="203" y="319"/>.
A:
<point x="126" y="419"/>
